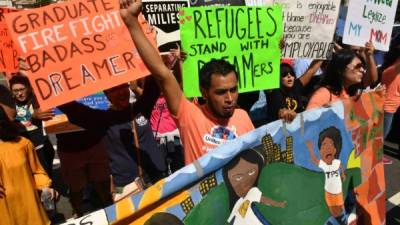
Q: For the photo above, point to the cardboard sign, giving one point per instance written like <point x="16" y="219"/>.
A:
<point x="75" y="49"/>
<point x="217" y="2"/>
<point x="247" y="37"/>
<point x="308" y="27"/>
<point x="163" y="15"/>
<point x="8" y="52"/>
<point x="370" y="21"/>
<point x="60" y="124"/>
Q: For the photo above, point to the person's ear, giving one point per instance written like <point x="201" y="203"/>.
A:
<point x="204" y="93"/>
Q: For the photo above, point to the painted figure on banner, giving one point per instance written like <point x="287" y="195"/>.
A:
<point x="241" y="177"/>
<point x="330" y="145"/>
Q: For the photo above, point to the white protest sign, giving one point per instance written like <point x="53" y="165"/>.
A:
<point x="96" y="218"/>
<point x="259" y="2"/>
<point x="370" y="20"/>
<point x="164" y="17"/>
<point x="308" y="27"/>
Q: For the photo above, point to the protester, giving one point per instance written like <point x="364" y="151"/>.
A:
<point x="367" y="54"/>
<point x="202" y="128"/>
<point x="20" y="176"/>
<point x="30" y="117"/>
<point x="167" y="134"/>
<point x="285" y="102"/>
<point x="118" y="125"/>
<point x="345" y="76"/>
<point x="391" y="79"/>
<point x="84" y="161"/>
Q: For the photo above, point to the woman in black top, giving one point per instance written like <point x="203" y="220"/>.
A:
<point x="285" y="102"/>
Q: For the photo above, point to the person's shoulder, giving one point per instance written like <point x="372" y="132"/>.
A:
<point x="322" y="90"/>
<point x="22" y="142"/>
<point x="240" y="113"/>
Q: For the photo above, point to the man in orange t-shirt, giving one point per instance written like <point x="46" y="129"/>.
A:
<point x="205" y="127"/>
<point x="201" y="127"/>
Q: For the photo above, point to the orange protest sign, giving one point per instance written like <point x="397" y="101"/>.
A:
<point x="8" y="53"/>
<point x="75" y="49"/>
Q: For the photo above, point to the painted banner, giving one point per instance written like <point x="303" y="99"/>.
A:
<point x="247" y="37"/>
<point x="74" y="49"/>
<point x="217" y="2"/>
<point x="8" y="52"/>
<point x="324" y="168"/>
<point x="308" y="27"/>
<point x="163" y="15"/>
<point x="60" y="124"/>
<point x="369" y="20"/>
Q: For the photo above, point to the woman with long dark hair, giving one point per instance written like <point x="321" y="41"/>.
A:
<point x="20" y="176"/>
<point x="343" y="78"/>
<point x="285" y="102"/>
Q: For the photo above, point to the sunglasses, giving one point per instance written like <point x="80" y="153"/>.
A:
<point x="358" y="66"/>
<point x="287" y="74"/>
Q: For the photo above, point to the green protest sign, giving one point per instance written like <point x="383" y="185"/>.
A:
<point x="247" y="37"/>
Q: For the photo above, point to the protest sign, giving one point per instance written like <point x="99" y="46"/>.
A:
<point x="75" y="49"/>
<point x="247" y="37"/>
<point x="259" y="2"/>
<point x="217" y="2"/>
<point x="60" y="124"/>
<point x="308" y="27"/>
<point x="95" y="218"/>
<point x="163" y="15"/>
<point x="8" y="53"/>
<point x="369" y="20"/>
<point x="287" y="161"/>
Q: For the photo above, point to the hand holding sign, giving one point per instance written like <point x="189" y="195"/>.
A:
<point x="369" y="48"/>
<point x="43" y="114"/>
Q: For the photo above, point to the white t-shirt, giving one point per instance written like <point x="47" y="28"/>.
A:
<point x="242" y="212"/>
<point x="333" y="182"/>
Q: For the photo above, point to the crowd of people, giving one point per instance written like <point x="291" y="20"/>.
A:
<point x="151" y="129"/>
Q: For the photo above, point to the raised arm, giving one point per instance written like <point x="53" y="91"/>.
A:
<point x="88" y="118"/>
<point x="310" y="148"/>
<point x="371" y="75"/>
<point x="130" y="10"/>
<point x="311" y="71"/>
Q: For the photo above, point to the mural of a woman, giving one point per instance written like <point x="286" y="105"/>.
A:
<point x="241" y="177"/>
